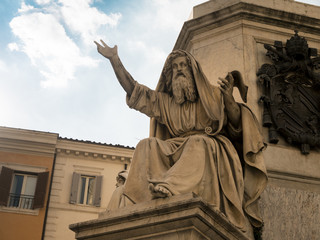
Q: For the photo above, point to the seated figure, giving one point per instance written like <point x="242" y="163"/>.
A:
<point x="201" y="140"/>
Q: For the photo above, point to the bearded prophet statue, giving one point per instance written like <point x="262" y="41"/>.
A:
<point x="201" y="140"/>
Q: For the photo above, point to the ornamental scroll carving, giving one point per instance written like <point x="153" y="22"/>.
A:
<point x="291" y="93"/>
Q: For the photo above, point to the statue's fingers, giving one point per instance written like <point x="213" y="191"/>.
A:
<point x="223" y="80"/>
<point x="98" y="45"/>
<point x="222" y="90"/>
<point x="103" y="43"/>
<point x="222" y="85"/>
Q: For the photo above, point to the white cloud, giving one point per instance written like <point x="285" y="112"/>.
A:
<point x="46" y="42"/>
<point x="25" y="8"/>
<point x="42" y="2"/>
<point x="85" y="20"/>
<point x="13" y="46"/>
<point x="49" y="48"/>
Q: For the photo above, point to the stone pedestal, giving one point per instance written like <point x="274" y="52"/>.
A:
<point x="180" y="217"/>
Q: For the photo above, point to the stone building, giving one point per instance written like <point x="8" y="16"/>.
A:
<point x="48" y="182"/>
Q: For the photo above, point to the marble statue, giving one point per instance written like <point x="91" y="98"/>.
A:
<point x="201" y="140"/>
<point x="118" y="193"/>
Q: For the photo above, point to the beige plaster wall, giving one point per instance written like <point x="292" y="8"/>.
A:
<point x="88" y="159"/>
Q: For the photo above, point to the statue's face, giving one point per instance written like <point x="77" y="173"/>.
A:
<point x="180" y="64"/>
<point x="120" y="181"/>
<point x="183" y="85"/>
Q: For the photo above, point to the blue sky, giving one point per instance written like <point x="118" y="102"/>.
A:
<point x="52" y="79"/>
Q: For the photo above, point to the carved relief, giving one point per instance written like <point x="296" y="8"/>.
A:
<point x="292" y="93"/>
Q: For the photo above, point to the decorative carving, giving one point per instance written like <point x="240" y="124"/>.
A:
<point x="291" y="93"/>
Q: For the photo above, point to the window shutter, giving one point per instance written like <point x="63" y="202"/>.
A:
<point x="5" y="184"/>
<point x="40" y="193"/>
<point x="74" y="188"/>
<point x="97" y="191"/>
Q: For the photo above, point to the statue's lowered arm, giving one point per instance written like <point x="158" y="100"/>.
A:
<point x="124" y="78"/>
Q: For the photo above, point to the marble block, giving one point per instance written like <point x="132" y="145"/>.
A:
<point x="184" y="216"/>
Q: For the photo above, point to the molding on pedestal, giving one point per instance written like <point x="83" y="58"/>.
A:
<point x="186" y="216"/>
<point x="215" y="14"/>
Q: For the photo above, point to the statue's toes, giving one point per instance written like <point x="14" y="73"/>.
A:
<point x="163" y="190"/>
<point x="151" y="188"/>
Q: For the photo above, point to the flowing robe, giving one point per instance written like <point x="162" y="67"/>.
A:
<point x="193" y="160"/>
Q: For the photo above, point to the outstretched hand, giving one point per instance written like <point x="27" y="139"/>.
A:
<point x="226" y="85"/>
<point x="105" y="50"/>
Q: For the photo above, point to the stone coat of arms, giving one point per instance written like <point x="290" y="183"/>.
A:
<point x="291" y="97"/>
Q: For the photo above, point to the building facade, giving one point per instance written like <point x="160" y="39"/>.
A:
<point x="48" y="182"/>
<point x="26" y="162"/>
<point x="83" y="182"/>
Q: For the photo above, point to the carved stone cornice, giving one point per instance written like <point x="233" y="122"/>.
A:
<point x="94" y="151"/>
<point x="214" y="14"/>
<point x="27" y="141"/>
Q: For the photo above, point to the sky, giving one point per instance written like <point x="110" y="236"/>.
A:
<point x="52" y="78"/>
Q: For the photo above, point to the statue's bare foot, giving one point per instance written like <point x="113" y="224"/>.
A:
<point x="159" y="191"/>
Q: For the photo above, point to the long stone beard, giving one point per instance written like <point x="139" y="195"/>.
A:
<point x="183" y="88"/>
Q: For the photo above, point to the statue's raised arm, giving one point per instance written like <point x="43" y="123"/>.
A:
<point x="124" y="78"/>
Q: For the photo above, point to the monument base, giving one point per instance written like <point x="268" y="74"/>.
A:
<point x="184" y="216"/>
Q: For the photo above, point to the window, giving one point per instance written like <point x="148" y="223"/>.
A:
<point x="23" y="190"/>
<point x="86" y="189"/>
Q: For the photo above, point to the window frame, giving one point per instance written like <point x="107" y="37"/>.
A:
<point x="76" y="190"/>
<point x="84" y="191"/>
<point x="22" y="196"/>
<point x="6" y="180"/>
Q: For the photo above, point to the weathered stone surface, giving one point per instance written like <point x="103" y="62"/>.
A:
<point x="290" y="213"/>
<point x="180" y="217"/>
<point x="235" y="32"/>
